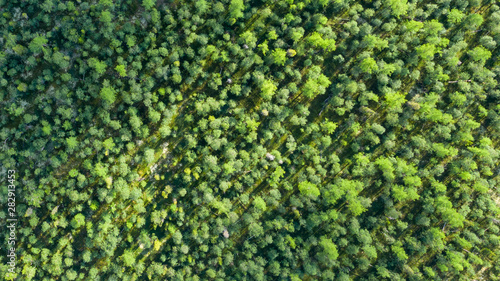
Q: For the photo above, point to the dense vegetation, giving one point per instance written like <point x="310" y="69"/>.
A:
<point x="252" y="140"/>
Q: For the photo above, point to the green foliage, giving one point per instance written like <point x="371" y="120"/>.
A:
<point x="387" y="168"/>
<point x="100" y="67"/>
<point x="368" y="65"/>
<point x="149" y="155"/>
<point x="251" y="140"/>
<point x="455" y="16"/>
<point x="37" y="44"/>
<point x="309" y="189"/>
<point x="277" y="175"/>
<point x="259" y="204"/>
<point x="128" y="258"/>
<point x="100" y="170"/>
<point x="106" y="17"/>
<point x="272" y="35"/>
<point x="317" y="40"/>
<point x="249" y="38"/>
<point x="398" y="7"/>
<point x="414" y="26"/>
<point x="72" y="143"/>
<point x="373" y="42"/>
<point x="236" y="9"/>
<point x="427" y="51"/>
<point x="108" y="94"/>
<point x="264" y="48"/>
<point x="78" y="221"/>
<point x="479" y="54"/>
<point x="73" y="173"/>
<point x="329" y="126"/>
<point x="121" y="70"/>
<point x="108" y="144"/>
<point x="395" y="100"/>
<point x="279" y="56"/>
<point x="329" y="248"/>
<point x="148" y="4"/>
<point x="473" y="21"/>
<point x="268" y="89"/>
<point x="399" y="251"/>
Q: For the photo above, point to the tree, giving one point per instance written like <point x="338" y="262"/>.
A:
<point x="329" y="127"/>
<point x="386" y="167"/>
<point x="426" y="51"/>
<point x="268" y="89"/>
<point x="297" y="33"/>
<point x="259" y="204"/>
<point x="236" y="9"/>
<point x="375" y="42"/>
<point x="100" y="170"/>
<point x="398" y="7"/>
<point x="433" y="27"/>
<point x="329" y="251"/>
<point x="399" y="251"/>
<point x="148" y="4"/>
<point x="99" y="66"/>
<point x="37" y="44"/>
<point x="128" y="258"/>
<point x="309" y="189"/>
<point x="121" y="70"/>
<point x="368" y="65"/>
<point x="264" y="48"/>
<point x="202" y="6"/>
<point x="29" y="272"/>
<point x="177" y="237"/>
<point x="394" y="101"/>
<point x="248" y="37"/>
<point x="106" y="17"/>
<point x="317" y="40"/>
<point x="276" y="175"/>
<point x="473" y="21"/>
<point x="155" y="116"/>
<point x="149" y="155"/>
<point x="73" y="173"/>
<point x="78" y="221"/>
<point x="316" y="86"/>
<point x="72" y="143"/>
<point x="479" y="54"/>
<point x="279" y="56"/>
<point x="445" y="207"/>
<point x="71" y="274"/>
<point x="61" y="60"/>
<point x="108" y="144"/>
<point x="455" y="16"/>
<point x="108" y="93"/>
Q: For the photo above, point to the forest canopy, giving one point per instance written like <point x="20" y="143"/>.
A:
<point x="250" y="140"/>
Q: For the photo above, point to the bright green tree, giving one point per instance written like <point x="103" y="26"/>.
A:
<point x="268" y="89"/>
<point x="78" y="221"/>
<point x="37" y="44"/>
<point x="309" y="189"/>
<point x="279" y="56"/>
